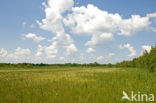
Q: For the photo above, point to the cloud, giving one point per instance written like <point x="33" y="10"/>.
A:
<point x="100" y="39"/>
<point x="53" y="22"/>
<point x="90" y="50"/>
<point x="50" y="51"/>
<point x="40" y="50"/>
<point x="3" y="52"/>
<point x="34" y="37"/>
<point x="147" y="48"/>
<point x="65" y="41"/>
<point x="91" y="20"/>
<point x="3" y="55"/>
<point x="110" y="55"/>
<point x="133" y="25"/>
<point x="19" y="55"/>
<point x="100" y="58"/>
<point x="151" y="15"/>
<point x="53" y="12"/>
<point x="130" y="48"/>
<point x="71" y="49"/>
<point x="88" y="20"/>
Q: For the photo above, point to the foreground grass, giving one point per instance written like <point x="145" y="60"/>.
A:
<point x="74" y="85"/>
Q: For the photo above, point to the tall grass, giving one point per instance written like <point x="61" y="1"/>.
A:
<point x="78" y="85"/>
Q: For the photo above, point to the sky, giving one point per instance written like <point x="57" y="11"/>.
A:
<point x="76" y="31"/>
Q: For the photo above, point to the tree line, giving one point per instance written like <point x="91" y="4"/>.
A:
<point x="146" y="60"/>
<point x="25" y="65"/>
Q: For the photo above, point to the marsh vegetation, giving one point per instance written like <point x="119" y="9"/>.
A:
<point x="73" y="84"/>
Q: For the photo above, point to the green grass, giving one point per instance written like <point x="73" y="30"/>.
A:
<point x="74" y="85"/>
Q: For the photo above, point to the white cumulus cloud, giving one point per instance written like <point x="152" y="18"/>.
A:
<point x="90" y="20"/>
<point x="90" y="50"/>
<point x="102" y="25"/>
<point x="151" y="15"/>
<point x="19" y="55"/>
<point x="100" y="39"/>
<point x="40" y="50"/>
<point x="34" y="37"/>
<point x="53" y="22"/>
<point x="130" y="48"/>
<point x="71" y="49"/>
<point x="49" y="51"/>
<point x="3" y="52"/>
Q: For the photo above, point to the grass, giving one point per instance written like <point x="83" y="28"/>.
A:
<point x="74" y="85"/>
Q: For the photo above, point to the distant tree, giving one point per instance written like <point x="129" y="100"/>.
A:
<point x="146" y="60"/>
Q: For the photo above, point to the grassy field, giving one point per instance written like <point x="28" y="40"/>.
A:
<point x="73" y="84"/>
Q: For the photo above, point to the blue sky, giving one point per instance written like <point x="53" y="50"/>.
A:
<point x="82" y="31"/>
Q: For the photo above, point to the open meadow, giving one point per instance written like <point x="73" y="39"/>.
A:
<point x="73" y="84"/>
<point x="77" y="51"/>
